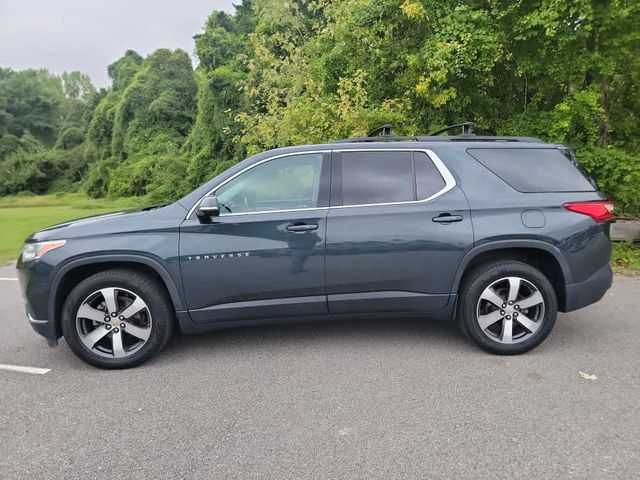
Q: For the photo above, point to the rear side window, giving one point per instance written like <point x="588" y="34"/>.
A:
<point x="388" y="177"/>
<point x="533" y="170"/>
<point x="376" y="177"/>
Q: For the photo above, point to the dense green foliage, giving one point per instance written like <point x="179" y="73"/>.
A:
<point x="140" y="125"/>
<point x="280" y="73"/>
<point x="43" y="119"/>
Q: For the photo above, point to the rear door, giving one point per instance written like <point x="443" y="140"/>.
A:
<point x="397" y="229"/>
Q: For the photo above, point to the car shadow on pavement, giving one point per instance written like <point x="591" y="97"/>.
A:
<point x="391" y="335"/>
<point x="351" y="333"/>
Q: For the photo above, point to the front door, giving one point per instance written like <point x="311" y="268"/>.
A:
<point x="397" y="229"/>
<point x="263" y="256"/>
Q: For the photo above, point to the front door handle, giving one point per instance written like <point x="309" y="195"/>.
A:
<point x="302" y="228"/>
<point x="447" y="218"/>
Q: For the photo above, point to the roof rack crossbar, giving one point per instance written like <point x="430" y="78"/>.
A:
<point x="466" y="129"/>
<point x="382" y="131"/>
<point x="379" y="134"/>
<point x="384" y="134"/>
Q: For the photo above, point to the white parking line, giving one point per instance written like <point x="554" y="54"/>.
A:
<point x="9" y="279"/>
<point x="18" y="368"/>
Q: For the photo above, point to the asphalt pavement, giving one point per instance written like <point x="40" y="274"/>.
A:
<point x="350" y="400"/>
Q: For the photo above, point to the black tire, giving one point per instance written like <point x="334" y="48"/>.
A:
<point x="148" y="289"/>
<point x="481" y="277"/>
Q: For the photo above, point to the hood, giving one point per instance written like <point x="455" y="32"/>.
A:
<point x="111" y="223"/>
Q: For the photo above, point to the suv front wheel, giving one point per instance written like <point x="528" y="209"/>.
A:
<point x="117" y="319"/>
<point x="507" y="307"/>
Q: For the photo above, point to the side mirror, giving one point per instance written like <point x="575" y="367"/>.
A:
<point x="208" y="207"/>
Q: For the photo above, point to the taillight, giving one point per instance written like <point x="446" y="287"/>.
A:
<point x="600" y="211"/>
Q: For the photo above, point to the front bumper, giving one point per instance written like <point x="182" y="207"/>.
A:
<point x="46" y="328"/>
<point x="585" y="293"/>
<point x="34" y="284"/>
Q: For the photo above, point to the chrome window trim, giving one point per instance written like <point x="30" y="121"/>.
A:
<point x="449" y="180"/>
<point x="310" y="152"/>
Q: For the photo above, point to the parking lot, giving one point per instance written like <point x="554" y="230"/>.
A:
<point x="358" y="399"/>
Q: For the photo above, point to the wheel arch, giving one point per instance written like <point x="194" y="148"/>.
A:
<point x="545" y="257"/>
<point x="77" y="270"/>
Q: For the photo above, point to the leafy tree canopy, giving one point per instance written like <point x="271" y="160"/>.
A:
<point x="279" y="73"/>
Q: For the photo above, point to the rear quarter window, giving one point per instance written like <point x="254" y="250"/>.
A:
<point x="428" y="178"/>
<point x="533" y="170"/>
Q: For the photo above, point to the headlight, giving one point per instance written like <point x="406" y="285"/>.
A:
<point x="31" y="251"/>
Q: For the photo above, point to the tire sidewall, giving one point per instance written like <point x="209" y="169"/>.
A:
<point x="138" y="284"/>
<point x="486" y="277"/>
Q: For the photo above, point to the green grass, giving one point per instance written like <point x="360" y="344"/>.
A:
<point x="22" y="215"/>
<point x="625" y="257"/>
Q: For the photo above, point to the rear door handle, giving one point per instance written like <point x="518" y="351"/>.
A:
<point x="446" y="218"/>
<point x="302" y="228"/>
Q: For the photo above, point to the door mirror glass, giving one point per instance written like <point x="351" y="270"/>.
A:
<point x="208" y="207"/>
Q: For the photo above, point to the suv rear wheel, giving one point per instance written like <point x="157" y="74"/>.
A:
<point x="507" y="307"/>
<point x="117" y="319"/>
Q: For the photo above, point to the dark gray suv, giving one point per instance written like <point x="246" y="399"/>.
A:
<point x="498" y="233"/>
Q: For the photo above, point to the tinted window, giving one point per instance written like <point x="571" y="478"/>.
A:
<point x="533" y="170"/>
<point x="428" y="178"/>
<point x="377" y="177"/>
<point x="281" y="184"/>
<point x="571" y="156"/>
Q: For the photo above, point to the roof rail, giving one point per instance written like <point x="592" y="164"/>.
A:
<point x="382" y="138"/>
<point x="384" y="134"/>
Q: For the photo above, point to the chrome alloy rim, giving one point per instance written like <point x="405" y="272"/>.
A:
<point x="510" y="310"/>
<point x="113" y="322"/>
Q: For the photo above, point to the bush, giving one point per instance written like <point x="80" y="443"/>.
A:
<point x="96" y="183"/>
<point x="8" y="145"/>
<point x="168" y="182"/>
<point x="39" y="172"/>
<point x="625" y="257"/>
<point x="70" y="138"/>
<point x="160" y="178"/>
<point x="22" y="171"/>
<point x="617" y="174"/>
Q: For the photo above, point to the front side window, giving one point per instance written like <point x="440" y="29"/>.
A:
<point x="376" y="177"/>
<point x="284" y="183"/>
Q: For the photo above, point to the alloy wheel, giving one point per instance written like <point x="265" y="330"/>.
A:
<point x="113" y="322"/>
<point x="510" y="310"/>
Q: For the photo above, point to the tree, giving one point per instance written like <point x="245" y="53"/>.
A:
<point x="149" y="116"/>
<point x="305" y="71"/>
<point x="77" y="86"/>
<point x="223" y="49"/>
<point x="31" y="101"/>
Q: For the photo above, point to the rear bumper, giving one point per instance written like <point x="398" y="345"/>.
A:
<point x="578" y="295"/>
